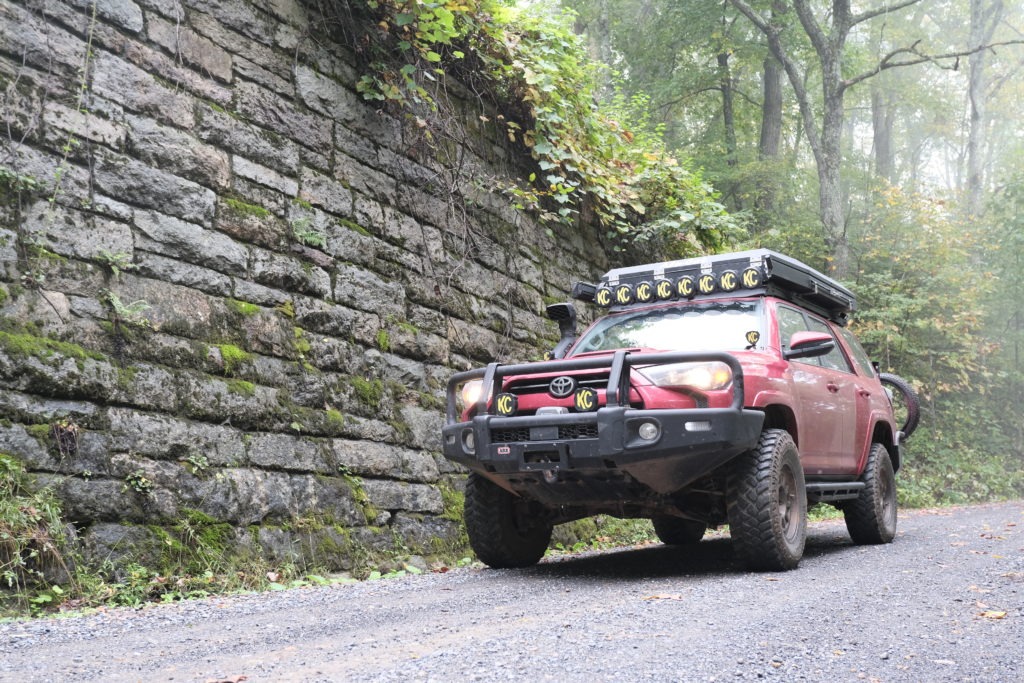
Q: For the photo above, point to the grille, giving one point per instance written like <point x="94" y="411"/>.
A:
<point x="565" y="432"/>
<point x="540" y="386"/>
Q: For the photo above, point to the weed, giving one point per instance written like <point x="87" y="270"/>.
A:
<point x="138" y="482"/>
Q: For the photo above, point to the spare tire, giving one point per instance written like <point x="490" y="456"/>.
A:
<point x="905" y="403"/>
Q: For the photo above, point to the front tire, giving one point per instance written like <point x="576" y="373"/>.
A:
<point x="767" y="504"/>
<point x="871" y="518"/>
<point x="501" y="531"/>
<point x="677" y="531"/>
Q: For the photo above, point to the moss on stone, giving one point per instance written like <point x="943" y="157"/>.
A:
<point x="245" y="209"/>
<point x="241" y="387"/>
<point x="3" y="295"/>
<point x="383" y="340"/>
<point x="354" y="227"/>
<point x="233" y="356"/>
<point x="242" y="307"/>
<point x="369" y="392"/>
<point x="34" y="346"/>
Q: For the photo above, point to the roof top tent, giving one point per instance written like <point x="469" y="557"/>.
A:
<point x="759" y="271"/>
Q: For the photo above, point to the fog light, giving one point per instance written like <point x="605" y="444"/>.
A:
<point x="648" y="431"/>
<point x="469" y="441"/>
<point x="702" y="426"/>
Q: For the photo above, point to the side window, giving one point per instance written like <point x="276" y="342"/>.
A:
<point x="835" y="359"/>
<point x="860" y="356"/>
<point x="790" y="321"/>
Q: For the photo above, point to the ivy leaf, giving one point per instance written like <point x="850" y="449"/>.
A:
<point x="404" y="19"/>
<point x="432" y="56"/>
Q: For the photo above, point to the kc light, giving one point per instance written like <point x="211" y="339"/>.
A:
<point x="702" y="376"/>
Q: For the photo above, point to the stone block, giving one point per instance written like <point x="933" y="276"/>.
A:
<point x="124" y="14"/>
<point x="134" y="182"/>
<point x="252" y="71"/>
<point x="190" y="47"/>
<point x="218" y="127"/>
<point x="289" y="273"/>
<point x="190" y="242"/>
<point x="392" y="495"/>
<point x="167" y="437"/>
<point x="264" y="176"/>
<point x="325" y="192"/>
<point x="181" y="273"/>
<point x="283" y="452"/>
<point x="365" y="290"/>
<point x="178" y="152"/>
<point x="263" y="108"/>
<point x="325" y="318"/>
<point x="85" y="125"/>
<point x="121" y="81"/>
<point x="327" y="96"/>
<point x="71" y="233"/>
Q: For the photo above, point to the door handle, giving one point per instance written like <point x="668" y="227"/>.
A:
<point x="833" y="387"/>
<point x="864" y="392"/>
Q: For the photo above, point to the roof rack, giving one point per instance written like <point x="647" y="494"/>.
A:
<point x="759" y="271"/>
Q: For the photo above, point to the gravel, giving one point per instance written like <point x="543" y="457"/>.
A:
<point x="944" y="602"/>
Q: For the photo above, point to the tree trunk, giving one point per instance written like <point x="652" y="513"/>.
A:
<point x="985" y="15"/>
<point x="771" y="111"/>
<point x="881" y="128"/>
<point x="728" y="114"/>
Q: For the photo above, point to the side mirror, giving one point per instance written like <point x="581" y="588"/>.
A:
<point x="565" y="315"/>
<point x="808" y="344"/>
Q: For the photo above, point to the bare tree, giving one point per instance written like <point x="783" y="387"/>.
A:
<point x="825" y="136"/>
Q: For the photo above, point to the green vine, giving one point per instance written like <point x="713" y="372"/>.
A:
<point x="589" y="165"/>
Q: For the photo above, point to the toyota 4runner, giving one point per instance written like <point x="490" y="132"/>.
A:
<point x="716" y="390"/>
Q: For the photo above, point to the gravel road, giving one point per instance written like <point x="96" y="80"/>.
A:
<point x="944" y="602"/>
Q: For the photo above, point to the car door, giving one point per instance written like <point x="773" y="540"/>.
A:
<point x="826" y="397"/>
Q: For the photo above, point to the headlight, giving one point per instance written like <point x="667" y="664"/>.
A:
<point x="702" y="376"/>
<point x="471" y="392"/>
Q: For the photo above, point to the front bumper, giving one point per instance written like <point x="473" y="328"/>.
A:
<point x="596" y="446"/>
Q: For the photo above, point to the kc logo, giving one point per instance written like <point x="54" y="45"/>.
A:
<point x="751" y="278"/>
<point x="685" y="286"/>
<point x="644" y="292"/>
<point x="507" y="404"/>
<point x="727" y="281"/>
<point x="663" y="288"/>
<point x="585" y="400"/>
<point x="623" y="295"/>
<point x="603" y="297"/>
<point x="706" y="284"/>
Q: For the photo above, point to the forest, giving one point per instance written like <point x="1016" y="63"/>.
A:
<point x="878" y="141"/>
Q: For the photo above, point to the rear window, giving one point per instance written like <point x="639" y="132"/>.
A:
<point x="719" y="326"/>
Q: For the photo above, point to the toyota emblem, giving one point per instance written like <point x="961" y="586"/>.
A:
<point x="562" y="387"/>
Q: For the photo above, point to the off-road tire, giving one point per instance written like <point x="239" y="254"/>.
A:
<point x="500" y="532"/>
<point x="909" y="399"/>
<point x="767" y="504"/>
<point x="678" y="531"/>
<point x="871" y="518"/>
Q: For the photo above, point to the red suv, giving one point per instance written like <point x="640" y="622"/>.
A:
<point x="716" y="390"/>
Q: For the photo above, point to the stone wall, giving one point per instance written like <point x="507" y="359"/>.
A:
<point x="232" y="291"/>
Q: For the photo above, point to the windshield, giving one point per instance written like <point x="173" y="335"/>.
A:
<point x="722" y="326"/>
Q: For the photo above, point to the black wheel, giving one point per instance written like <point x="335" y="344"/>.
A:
<point x="906" y="406"/>
<point x="767" y="504"/>
<point x="676" y="531"/>
<point x="871" y="518"/>
<point x="500" y="531"/>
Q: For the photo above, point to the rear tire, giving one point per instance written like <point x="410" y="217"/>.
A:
<point x="871" y="518"/>
<point x="767" y="504"/>
<point x="677" y="531"/>
<point x="501" y="532"/>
